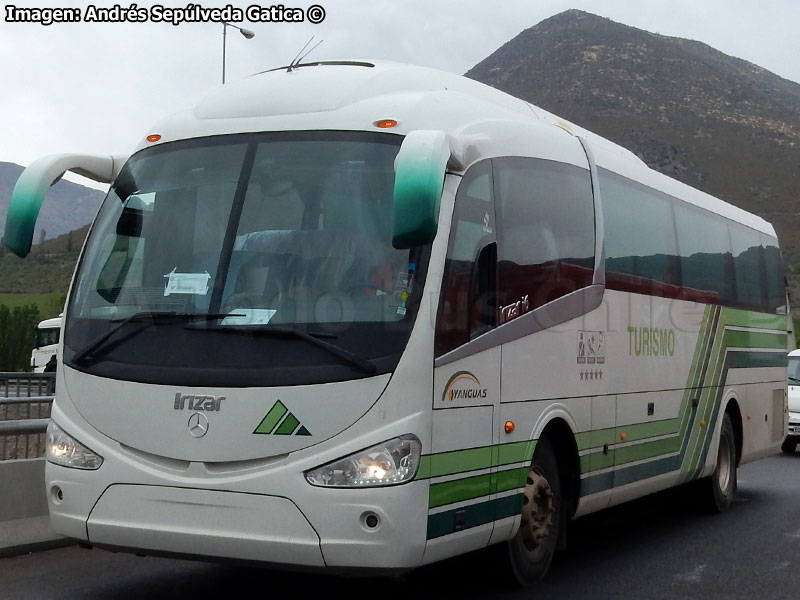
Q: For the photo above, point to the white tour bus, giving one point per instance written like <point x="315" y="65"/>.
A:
<point x="363" y="316"/>
<point x="48" y="334"/>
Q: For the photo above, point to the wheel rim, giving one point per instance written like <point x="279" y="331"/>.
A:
<point x="537" y="511"/>
<point x="724" y="464"/>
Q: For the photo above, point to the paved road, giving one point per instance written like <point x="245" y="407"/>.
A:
<point x="655" y="548"/>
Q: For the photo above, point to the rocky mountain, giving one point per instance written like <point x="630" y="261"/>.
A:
<point x="68" y="206"/>
<point x="718" y="123"/>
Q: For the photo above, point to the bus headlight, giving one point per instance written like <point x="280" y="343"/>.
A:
<point x="66" y="451"/>
<point x="389" y="463"/>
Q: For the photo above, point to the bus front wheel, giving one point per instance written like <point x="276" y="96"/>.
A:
<point x="532" y="548"/>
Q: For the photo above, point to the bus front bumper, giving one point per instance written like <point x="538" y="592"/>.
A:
<point x="334" y="530"/>
<point x="208" y="523"/>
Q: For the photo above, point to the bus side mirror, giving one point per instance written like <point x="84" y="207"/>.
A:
<point x="32" y="185"/>
<point x="419" y="178"/>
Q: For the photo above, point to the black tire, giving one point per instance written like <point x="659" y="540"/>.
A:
<point x="718" y="490"/>
<point x="789" y="445"/>
<point x="531" y="550"/>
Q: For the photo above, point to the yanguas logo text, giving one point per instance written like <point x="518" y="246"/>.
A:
<point x="463" y="385"/>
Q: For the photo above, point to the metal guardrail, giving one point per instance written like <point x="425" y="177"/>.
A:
<point x="25" y="403"/>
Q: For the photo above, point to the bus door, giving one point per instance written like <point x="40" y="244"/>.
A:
<point x="465" y="430"/>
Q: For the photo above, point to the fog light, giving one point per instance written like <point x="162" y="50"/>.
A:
<point x="370" y="520"/>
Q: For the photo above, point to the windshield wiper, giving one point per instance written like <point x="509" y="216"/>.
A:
<point x="795" y="379"/>
<point x="86" y="354"/>
<point x="351" y="358"/>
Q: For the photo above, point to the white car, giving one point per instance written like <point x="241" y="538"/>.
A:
<point x="793" y="377"/>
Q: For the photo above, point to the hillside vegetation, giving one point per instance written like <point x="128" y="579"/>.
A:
<point x="46" y="270"/>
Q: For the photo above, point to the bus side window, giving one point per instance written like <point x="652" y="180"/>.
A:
<point x="547" y="237"/>
<point x="640" y="239"/>
<point x="468" y="306"/>
<point x="748" y="266"/>
<point x="705" y="255"/>
<point x="773" y="264"/>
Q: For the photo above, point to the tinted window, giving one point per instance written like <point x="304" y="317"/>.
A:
<point x="467" y="305"/>
<point x="705" y="250"/>
<point x="748" y="266"/>
<point x="641" y="246"/>
<point x="546" y="247"/>
<point x="773" y="265"/>
<point x="658" y="245"/>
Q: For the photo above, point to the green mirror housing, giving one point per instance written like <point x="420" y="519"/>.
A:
<point x="419" y="177"/>
<point x="32" y="185"/>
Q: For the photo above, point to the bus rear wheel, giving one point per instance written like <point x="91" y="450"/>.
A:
<point x="718" y="490"/>
<point x="532" y="549"/>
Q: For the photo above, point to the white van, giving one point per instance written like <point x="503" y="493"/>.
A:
<point x="793" y="380"/>
<point x="48" y="334"/>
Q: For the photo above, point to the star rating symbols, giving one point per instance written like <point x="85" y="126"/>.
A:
<point x="591" y="374"/>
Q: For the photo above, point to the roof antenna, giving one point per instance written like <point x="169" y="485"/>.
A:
<point x="297" y="59"/>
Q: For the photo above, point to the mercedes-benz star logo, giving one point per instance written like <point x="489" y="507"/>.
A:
<point x="198" y="425"/>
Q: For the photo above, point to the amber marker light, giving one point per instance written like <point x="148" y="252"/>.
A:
<point x="703" y="423"/>
<point x="510" y="427"/>
<point x="153" y="137"/>
<point x="623" y="436"/>
<point x="385" y="124"/>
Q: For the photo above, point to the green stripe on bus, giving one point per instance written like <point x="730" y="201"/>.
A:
<point x="596" y="461"/>
<point x="634" y="432"/>
<point x="647" y="450"/>
<point x="706" y="401"/>
<point x="272" y="418"/>
<point x="515" y="452"/>
<point x="735" y="338"/>
<point x="474" y="459"/>
<point x="628" y="454"/>
<point x="457" y="461"/>
<point x="459" y="490"/>
<point x="594" y="439"/>
<point x="755" y="359"/>
<point x="733" y="359"/>
<point x="466" y="517"/>
<point x="630" y="474"/>
<point x="735" y="349"/>
<point x="744" y="318"/>
<point x="469" y="488"/>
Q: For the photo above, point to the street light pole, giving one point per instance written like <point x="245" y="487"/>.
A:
<point x="246" y="33"/>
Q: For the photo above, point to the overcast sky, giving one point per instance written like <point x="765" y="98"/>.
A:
<point x="98" y="87"/>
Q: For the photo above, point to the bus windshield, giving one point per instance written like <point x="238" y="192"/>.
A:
<point x="258" y="244"/>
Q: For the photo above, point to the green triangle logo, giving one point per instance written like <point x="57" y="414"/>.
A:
<point x="280" y="421"/>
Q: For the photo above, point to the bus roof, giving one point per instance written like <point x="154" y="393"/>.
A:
<point x="355" y="94"/>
